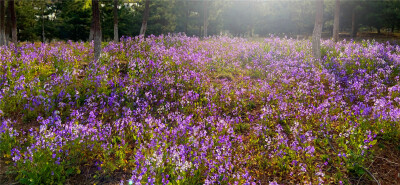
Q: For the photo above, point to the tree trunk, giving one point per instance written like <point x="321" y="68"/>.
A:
<point x="379" y="30"/>
<point x="186" y="3"/>
<point x="200" y="29"/>
<point x="8" y="25"/>
<point x="43" y="34"/>
<point x="91" y="27"/>
<point x="11" y="8"/>
<point x="336" y="21"/>
<point x="205" y="18"/>
<point x="2" y="23"/>
<point x="252" y="6"/>
<point x="115" y="10"/>
<point x="353" y="24"/>
<point x="145" y="17"/>
<point x="96" y="29"/>
<point x="91" y="32"/>
<point x="316" y="38"/>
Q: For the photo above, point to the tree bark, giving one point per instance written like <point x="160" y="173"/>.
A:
<point x="2" y="23"/>
<point x="11" y="7"/>
<point x="8" y="25"/>
<point x="115" y="10"/>
<point x="145" y="17"/>
<point x="43" y="34"/>
<point x="91" y="27"/>
<point x="253" y="7"/>
<point x="316" y="38"/>
<point x="353" y="24"/>
<point x="200" y="29"/>
<point x="96" y="29"/>
<point x="205" y="18"/>
<point x="91" y="32"/>
<point x="336" y="21"/>
<point x="186" y="3"/>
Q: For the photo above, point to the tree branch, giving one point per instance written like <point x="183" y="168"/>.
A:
<point x="388" y="160"/>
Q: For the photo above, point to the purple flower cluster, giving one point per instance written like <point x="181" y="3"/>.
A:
<point x="179" y="109"/>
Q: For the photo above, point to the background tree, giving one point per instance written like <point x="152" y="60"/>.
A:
<point x="2" y="23"/>
<point x="96" y="29"/>
<point x="145" y="17"/>
<point x="193" y="22"/>
<point x="214" y="17"/>
<point x="91" y="32"/>
<point x="182" y="10"/>
<point x="13" y="21"/>
<point x="373" y="14"/>
<point x="391" y="15"/>
<point x="316" y="38"/>
<point x="107" y="20"/>
<point x="71" y="19"/>
<point x="354" y="22"/>
<point x="26" y="21"/>
<point x="236" y="20"/>
<point x="336" y="21"/>
<point x="376" y="15"/>
<point x="162" y="17"/>
<point x="42" y="9"/>
<point x="129" y="22"/>
<point x="205" y="17"/>
<point x="115" y="12"/>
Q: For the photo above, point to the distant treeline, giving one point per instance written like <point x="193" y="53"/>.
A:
<point x="39" y="20"/>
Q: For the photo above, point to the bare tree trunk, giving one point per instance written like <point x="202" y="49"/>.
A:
<point x="336" y="21"/>
<point x="91" y="28"/>
<point x="115" y="10"/>
<point x="205" y="18"/>
<point x="2" y="24"/>
<point x="353" y="23"/>
<point x="91" y="32"/>
<point x="253" y="6"/>
<point x="8" y="25"/>
<point x="186" y="3"/>
<point x="43" y="34"/>
<point x="200" y="28"/>
<point x="11" y="7"/>
<point x="96" y="29"/>
<point x="145" y="17"/>
<point x="316" y="38"/>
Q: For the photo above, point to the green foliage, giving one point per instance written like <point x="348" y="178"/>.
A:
<point x="41" y="170"/>
<point x="71" y="20"/>
<point x="242" y="128"/>
<point x="26" y="20"/>
<point x="8" y="140"/>
<point x="278" y="143"/>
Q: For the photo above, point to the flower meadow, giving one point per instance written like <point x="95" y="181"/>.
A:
<point x="174" y="109"/>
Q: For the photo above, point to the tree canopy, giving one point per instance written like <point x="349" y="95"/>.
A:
<point x="71" y="19"/>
